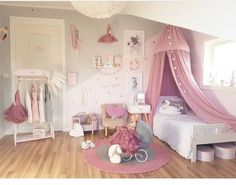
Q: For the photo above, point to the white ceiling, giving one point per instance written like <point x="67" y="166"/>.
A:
<point x="210" y="17"/>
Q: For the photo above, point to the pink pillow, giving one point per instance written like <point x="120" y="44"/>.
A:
<point x="115" y="111"/>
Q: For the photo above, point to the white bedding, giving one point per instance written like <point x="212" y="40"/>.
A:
<point x="183" y="132"/>
<point x="176" y="130"/>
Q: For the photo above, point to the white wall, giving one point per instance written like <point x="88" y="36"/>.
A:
<point x="210" y="17"/>
<point x="100" y="88"/>
<point x="2" y="45"/>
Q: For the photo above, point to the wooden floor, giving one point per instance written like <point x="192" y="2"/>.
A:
<point x="63" y="158"/>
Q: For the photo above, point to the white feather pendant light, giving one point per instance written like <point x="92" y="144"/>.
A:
<point x="98" y="9"/>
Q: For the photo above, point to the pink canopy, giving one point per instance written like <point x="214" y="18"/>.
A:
<point x="173" y="45"/>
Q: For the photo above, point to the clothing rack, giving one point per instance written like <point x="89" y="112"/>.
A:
<point x="31" y="75"/>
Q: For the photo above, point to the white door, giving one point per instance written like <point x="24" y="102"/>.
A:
<point x="38" y="43"/>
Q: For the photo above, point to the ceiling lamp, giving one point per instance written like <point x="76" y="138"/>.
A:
<point x="98" y="9"/>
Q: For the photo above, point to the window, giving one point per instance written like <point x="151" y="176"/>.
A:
<point x="220" y="63"/>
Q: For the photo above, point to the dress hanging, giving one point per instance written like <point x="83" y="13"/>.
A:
<point x="34" y="103"/>
<point x="41" y="105"/>
<point x="48" y="104"/>
<point x="16" y="113"/>
<point x="28" y="105"/>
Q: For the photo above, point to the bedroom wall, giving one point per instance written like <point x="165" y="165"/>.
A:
<point x="2" y="45"/>
<point x="93" y="87"/>
<point x="224" y="98"/>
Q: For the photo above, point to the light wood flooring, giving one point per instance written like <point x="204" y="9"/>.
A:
<point x="63" y="158"/>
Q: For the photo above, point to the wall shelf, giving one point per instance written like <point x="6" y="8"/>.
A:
<point x="109" y="70"/>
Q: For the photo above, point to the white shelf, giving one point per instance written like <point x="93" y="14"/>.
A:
<point x="108" y="69"/>
<point x="29" y="137"/>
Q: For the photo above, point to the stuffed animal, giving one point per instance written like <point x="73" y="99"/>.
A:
<point x="77" y="131"/>
<point x="114" y="153"/>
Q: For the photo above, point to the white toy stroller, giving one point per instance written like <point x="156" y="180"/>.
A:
<point x="144" y="133"/>
<point x="141" y="156"/>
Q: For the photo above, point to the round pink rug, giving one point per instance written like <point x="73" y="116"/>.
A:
<point x="98" y="158"/>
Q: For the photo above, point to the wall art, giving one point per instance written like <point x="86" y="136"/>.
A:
<point x="133" y="43"/>
<point x="97" y="61"/>
<point x="72" y="79"/>
<point x="107" y="58"/>
<point x="135" y="82"/>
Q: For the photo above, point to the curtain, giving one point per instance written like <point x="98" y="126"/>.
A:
<point x="179" y="62"/>
<point x="173" y="43"/>
<point x="155" y="82"/>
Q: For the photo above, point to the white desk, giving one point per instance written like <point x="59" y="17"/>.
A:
<point x="139" y="109"/>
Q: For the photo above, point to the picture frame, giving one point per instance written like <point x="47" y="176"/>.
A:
<point x="134" y="43"/>
<point x="135" y="82"/>
<point x="107" y="58"/>
<point x="117" y="61"/>
<point x="97" y="61"/>
<point x="72" y="79"/>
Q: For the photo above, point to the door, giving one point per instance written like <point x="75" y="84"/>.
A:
<point x="38" y="43"/>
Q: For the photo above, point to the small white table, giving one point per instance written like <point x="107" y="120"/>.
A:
<point x="139" y="109"/>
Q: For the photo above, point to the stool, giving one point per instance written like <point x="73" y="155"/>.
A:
<point x="205" y="153"/>
<point x="225" y="150"/>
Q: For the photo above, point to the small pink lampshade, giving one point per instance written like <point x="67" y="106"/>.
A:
<point x="107" y="38"/>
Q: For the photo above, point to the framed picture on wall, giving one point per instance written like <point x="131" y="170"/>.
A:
<point x="133" y="43"/>
<point x="107" y="58"/>
<point x="135" y="82"/>
<point x="117" y="61"/>
<point x="72" y="79"/>
<point x="97" y="61"/>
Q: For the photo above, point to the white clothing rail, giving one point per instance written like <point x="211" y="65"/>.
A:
<point x="31" y="75"/>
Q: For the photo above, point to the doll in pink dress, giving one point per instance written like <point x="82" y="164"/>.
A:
<point x="127" y="137"/>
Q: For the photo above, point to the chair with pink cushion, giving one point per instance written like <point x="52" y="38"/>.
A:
<point x="113" y="116"/>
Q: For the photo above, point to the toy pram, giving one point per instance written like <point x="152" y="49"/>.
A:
<point x="143" y="135"/>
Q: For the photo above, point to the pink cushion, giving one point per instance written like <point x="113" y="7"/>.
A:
<point x="115" y="111"/>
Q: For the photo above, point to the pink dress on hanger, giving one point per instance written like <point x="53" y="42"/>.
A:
<point x="34" y="104"/>
<point x="16" y="113"/>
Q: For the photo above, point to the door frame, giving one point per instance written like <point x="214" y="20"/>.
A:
<point x="35" y="21"/>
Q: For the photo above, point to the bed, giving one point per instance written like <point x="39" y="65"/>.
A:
<point x="183" y="132"/>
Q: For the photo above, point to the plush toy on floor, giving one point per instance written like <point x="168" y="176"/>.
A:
<point x="114" y="153"/>
<point x="77" y="131"/>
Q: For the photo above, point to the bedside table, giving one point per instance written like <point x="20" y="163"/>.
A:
<point x="139" y="109"/>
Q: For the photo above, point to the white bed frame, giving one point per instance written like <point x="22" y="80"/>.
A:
<point x="210" y="134"/>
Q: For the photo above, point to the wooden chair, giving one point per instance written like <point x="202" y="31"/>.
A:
<point x="112" y="123"/>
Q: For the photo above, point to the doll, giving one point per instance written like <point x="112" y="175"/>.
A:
<point x="127" y="137"/>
